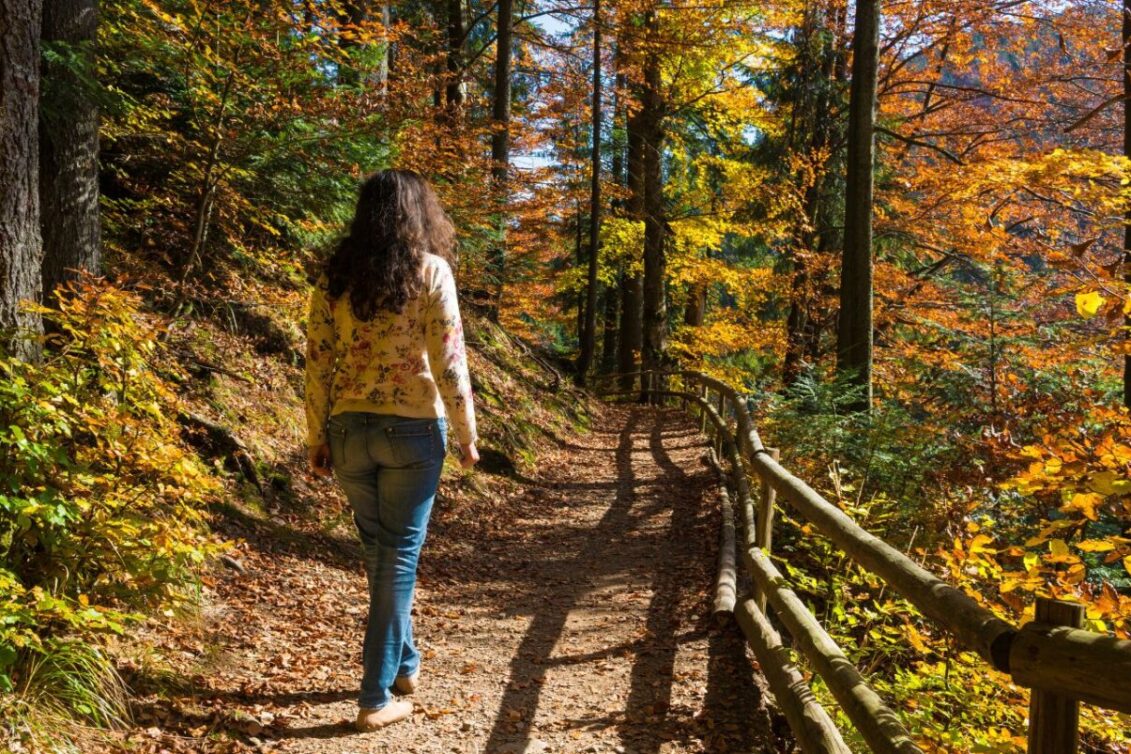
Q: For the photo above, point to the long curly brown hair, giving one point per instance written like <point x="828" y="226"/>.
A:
<point x="398" y="220"/>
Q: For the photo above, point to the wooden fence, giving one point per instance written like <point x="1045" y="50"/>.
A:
<point x="1052" y="656"/>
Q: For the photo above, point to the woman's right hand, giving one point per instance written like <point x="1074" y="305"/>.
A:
<point x="469" y="455"/>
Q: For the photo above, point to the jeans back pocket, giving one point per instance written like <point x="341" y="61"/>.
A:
<point x="415" y="442"/>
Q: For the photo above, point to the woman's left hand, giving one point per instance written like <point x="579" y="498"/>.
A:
<point x="319" y="458"/>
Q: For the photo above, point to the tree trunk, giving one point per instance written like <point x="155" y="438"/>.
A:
<point x="589" y="333"/>
<point x="854" y="327"/>
<point x="696" y="310"/>
<point x="68" y="149"/>
<point x="387" y="54"/>
<point x="819" y="71"/>
<point x="631" y="330"/>
<point x="453" y="89"/>
<point x="609" y="338"/>
<point x="500" y="147"/>
<point x="614" y="294"/>
<point x="796" y="324"/>
<point x="618" y="141"/>
<point x="21" y="244"/>
<point x="1126" y="38"/>
<point x="358" y="14"/>
<point x="579" y="260"/>
<point x="632" y="293"/>
<point x="655" y="303"/>
<point x="803" y="128"/>
<point x="350" y="16"/>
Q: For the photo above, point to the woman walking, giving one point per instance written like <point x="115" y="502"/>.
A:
<point x="386" y="374"/>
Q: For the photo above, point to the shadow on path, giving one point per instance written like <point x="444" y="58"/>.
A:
<point x="656" y="535"/>
<point x="520" y="701"/>
<point x="649" y="697"/>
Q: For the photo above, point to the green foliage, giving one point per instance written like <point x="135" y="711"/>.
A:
<point x="893" y="471"/>
<point x="862" y="454"/>
<point x="100" y="506"/>
<point x="227" y="138"/>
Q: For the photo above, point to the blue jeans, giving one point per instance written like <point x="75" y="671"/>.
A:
<point x="389" y="468"/>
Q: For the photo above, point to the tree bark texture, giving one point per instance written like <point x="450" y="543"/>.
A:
<point x="655" y="232"/>
<point x="618" y="136"/>
<point x="500" y="146"/>
<point x="453" y="89"/>
<point x="696" y="309"/>
<point x="579" y="260"/>
<point x="632" y="294"/>
<point x="68" y="149"/>
<point x="589" y="331"/>
<point x="854" y="326"/>
<point x="609" y="338"/>
<point x="21" y="244"/>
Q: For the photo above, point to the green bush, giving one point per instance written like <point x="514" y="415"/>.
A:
<point x="101" y="507"/>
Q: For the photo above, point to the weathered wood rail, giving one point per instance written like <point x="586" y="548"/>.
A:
<point x="1052" y="656"/>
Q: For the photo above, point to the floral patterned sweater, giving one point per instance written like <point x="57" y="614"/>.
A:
<point x="409" y="364"/>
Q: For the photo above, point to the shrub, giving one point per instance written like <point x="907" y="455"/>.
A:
<point x="101" y="506"/>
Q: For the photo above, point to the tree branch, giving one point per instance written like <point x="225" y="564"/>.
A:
<point x="919" y="143"/>
<point x="1094" y="112"/>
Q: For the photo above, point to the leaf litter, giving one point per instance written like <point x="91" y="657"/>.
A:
<point x="564" y="613"/>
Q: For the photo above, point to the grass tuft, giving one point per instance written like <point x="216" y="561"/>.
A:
<point x="75" y="679"/>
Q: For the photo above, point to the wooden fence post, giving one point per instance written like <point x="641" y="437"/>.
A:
<point x="723" y="416"/>
<point x="764" y="525"/>
<point x="1054" y="719"/>
<point x="702" y="411"/>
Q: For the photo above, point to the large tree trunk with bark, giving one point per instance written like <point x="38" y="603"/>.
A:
<point x="68" y="149"/>
<point x="854" y="326"/>
<point x="21" y="243"/>
<point x="500" y="147"/>
<point x="589" y="331"/>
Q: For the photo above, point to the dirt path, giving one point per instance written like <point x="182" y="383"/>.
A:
<point x="572" y="617"/>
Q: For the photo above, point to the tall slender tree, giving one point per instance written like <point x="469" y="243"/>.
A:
<point x="613" y="292"/>
<point x="589" y="333"/>
<point x="813" y="131"/>
<point x="68" y="145"/>
<point x="651" y="116"/>
<point x="500" y="145"/>
<point x="632" y="285"/>
<point x="21" y="243"/>
<point x="854" y="326"/>
<point x="609" y="328"/>
<point x="453" y="87"/>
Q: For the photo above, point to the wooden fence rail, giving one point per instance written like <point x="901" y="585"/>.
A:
<point x="1059" y="662"/>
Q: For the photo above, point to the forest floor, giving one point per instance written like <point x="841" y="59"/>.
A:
<point x="572" y="614"/>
